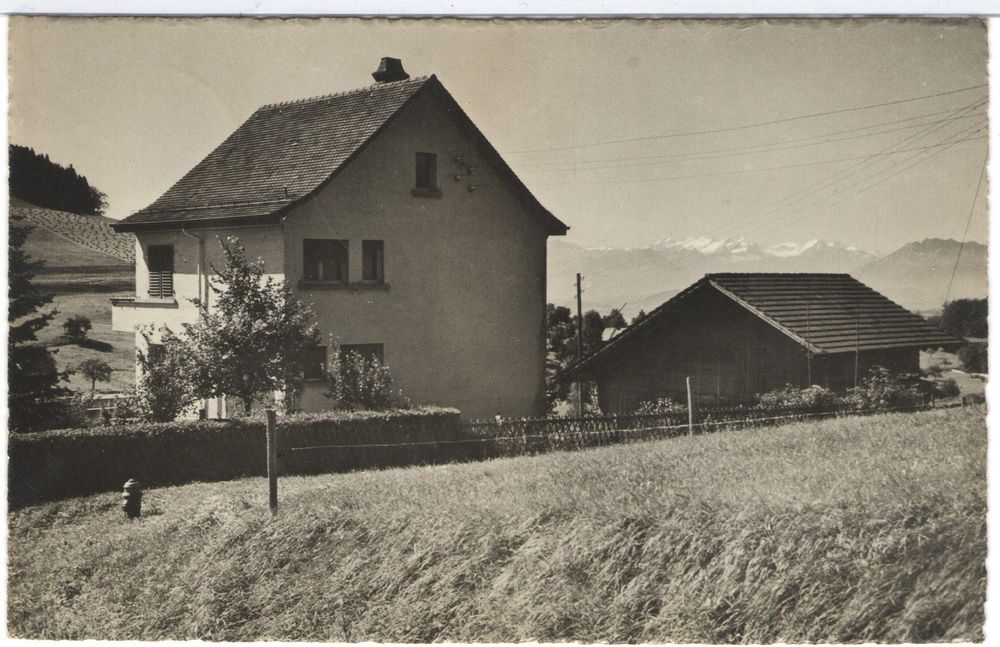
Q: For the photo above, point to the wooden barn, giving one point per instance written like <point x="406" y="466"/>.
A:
<point x="739" y="335"/>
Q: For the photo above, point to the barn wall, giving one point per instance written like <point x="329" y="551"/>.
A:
<point x="729" y="353"/>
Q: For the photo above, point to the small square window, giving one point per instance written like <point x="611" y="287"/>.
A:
<point x="373" y="261"/>
<point x="427" y="171"/>
<point x="314" y="363"/>
<point x="324" y="260"/>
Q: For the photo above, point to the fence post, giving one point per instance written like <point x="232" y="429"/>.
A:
<point x="690" y="408"/>
<point x="272" y="461"/>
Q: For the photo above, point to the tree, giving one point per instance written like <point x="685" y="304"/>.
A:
<point x="95" y="370"/>
<point x="561" y="348"/>
<point x="40" y="181"/>
<point x="32" y="376"/>
<point x="965" y="318"/>
<point x="165" y="388"/>
<point x="974" y="357"/>
<point x="255" y="339"/>
<point x="76" y="327"/>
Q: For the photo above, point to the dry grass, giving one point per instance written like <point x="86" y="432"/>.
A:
<point x="856" y="529"/>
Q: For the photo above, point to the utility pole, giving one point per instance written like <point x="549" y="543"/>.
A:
<point x="579" y="344"/>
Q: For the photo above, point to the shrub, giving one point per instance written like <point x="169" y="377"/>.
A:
<point x="76" y="327"/>
<point x="164" y="389"/>
<point x="974" y="357"/>
<point x="816" y="397"/>
<point x="360" y="382"/>
<point x="884" y="390"/>
<point x="947" y="389"/>
<point x="73" y="462"/>
<point x="661" y="406"/>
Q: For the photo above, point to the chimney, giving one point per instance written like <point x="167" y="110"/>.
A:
<point x="389" y="70"/>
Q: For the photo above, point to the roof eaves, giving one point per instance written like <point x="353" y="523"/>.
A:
<point x="763" y="316"/>
<point x="195" y="223"/>
<point x="555" y="226"/>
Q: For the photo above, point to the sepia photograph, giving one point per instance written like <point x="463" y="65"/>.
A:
<point x="595" y="330"/>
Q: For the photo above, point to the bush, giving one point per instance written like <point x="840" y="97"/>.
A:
<point x="359" y="382"/>
<point x="884" y="390"/>
<point x="814" y="397"/>
<point x="974" y="357"/>
<point x="74" y="462"/>
<point x="76" y="327"/>
<point x="947" y="389"/>
<point x="164" y="389"/>
<point x="661" y="406"/>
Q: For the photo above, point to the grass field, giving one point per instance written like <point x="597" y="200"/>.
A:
<point x="853" y="529"/>
<point x="115" y="348"/>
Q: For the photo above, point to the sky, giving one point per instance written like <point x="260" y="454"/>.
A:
<point x="869" y="133"/>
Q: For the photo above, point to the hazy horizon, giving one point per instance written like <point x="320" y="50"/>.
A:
<point x="869" y="133"/>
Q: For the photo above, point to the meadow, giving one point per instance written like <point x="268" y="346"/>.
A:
<point x="843" y="530"/>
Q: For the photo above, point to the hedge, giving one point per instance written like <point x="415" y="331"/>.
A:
<point x="72" y="462"/>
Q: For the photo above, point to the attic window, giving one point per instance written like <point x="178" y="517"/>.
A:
<point x="426" y="175"/>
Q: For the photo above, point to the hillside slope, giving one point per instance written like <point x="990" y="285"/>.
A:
<point x="846" y="530"/>
<point x="81" y="253"/>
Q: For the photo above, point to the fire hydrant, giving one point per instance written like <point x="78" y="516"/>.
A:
<point x="132" y="499"/>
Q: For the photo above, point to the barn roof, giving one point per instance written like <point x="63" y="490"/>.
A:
<point x="285" y="152"/>
<point x="825" y="313"/>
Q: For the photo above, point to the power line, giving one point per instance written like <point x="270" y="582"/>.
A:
<point x="746" y="126"/>
<point x="750" y="170"/>
<point x="930" y="155"/>
<point x="968" y="222"/>
<point x="812" y="189"/>
<point x="599" y="163"/>
<point x="936" y="148"/>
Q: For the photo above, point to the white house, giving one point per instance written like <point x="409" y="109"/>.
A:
<point x="388" y="211"/>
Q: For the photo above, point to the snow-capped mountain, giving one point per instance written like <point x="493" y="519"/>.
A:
<point x="644" y="277"/>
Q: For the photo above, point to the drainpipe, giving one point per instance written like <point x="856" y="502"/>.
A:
<point x="203" y="300"/>
<point x="201" y="263"/>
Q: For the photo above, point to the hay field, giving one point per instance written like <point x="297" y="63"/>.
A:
<point x="844" y="530"/>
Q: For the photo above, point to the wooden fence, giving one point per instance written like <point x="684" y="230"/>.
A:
<point x="517" y="436"/>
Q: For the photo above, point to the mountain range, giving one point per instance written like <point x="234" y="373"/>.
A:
<point x="640" y="278"/>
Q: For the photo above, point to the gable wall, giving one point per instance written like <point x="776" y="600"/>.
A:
<point x="462" y="320"/>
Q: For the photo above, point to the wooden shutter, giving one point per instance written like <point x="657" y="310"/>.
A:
<point x="161" y="271"/>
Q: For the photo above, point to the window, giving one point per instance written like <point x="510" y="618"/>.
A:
<point x="314" y="363"/>
<point x="427" y="171"/>
<point x="160" y="260"/>
<point x="368" y="351"/>
<point x="373" y="261"/>
<point x="324" y="260"/>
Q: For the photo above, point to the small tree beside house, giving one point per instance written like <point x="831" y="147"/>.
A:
<point x="254" y="340"/>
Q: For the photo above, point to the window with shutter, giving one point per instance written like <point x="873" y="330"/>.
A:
<point x="160" y="260"/>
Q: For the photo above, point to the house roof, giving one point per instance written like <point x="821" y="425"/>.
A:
<point x="285" y="152"/>
<point x="825" y="313"/>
